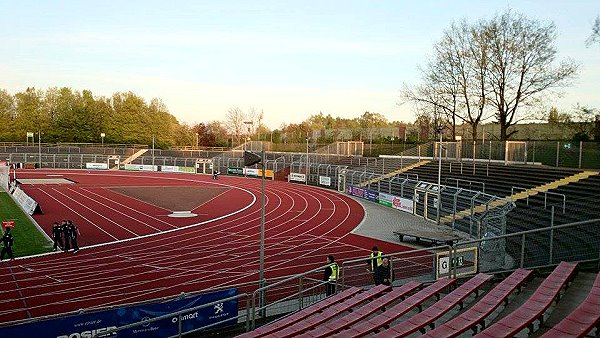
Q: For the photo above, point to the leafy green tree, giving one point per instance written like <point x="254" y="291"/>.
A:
<point x="30" y="113"/>
<point x="7" y="113"/>
<point x="161" y="124"/>
<point x="369" y="122"/>
<point x="129" y="118"/>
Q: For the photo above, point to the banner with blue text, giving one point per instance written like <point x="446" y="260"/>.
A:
<point x="89" y="324"/>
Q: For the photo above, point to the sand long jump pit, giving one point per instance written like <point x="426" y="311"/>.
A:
<point x="53" y="180"/>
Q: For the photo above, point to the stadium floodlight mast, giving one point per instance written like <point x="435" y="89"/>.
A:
<point x="439" y="182"/>
<point x="307" y="164"/>
<point x="250" y="159"/>
<point x="153" y="152"/>
<point x="102" y="137"/>
<point x="250" y="125"/>
<point x="40" y="148"/>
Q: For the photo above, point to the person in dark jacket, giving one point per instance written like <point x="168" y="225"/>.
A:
<point x="72" y="232"/>
<point x="66" y="236"/>
<point x="57" y="236"/>
<point x="330" y="275"/>
<point x="7" y="242"/>
<point x="383" y="273"/>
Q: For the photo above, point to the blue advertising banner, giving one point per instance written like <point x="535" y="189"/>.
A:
<point x="88" y="324"/>
<point x="356" y="191"/>
<point x="367" y="194"/>
<point x="371" y="195"/>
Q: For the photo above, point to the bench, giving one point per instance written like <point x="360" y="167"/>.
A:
<point x="384" y="319"/>
<point x="329" y="313"/>
<point x="363" y="312"/>
<point x="431" y="237"/>
<point x="303" y="313"/>
<point x="428" y="316"/>
<point x="583" y="319"/>
<point x="477" y="313"/>
<point x="535" y="306"/>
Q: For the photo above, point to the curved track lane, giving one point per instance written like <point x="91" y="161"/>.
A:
<point x="134" y="252"/>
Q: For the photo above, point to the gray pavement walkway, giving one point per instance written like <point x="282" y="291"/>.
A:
<point x="381" y="221"/>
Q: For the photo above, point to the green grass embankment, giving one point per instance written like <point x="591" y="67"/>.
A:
<point x="28" y="238"/>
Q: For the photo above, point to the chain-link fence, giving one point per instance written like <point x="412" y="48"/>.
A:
<point x="584" y="155"/>
<point x="492" y="254"/>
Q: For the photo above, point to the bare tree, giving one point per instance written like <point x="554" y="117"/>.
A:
<point x="520" y="65"/>
<point x="493" y="67"/>
<point x="595" y="35"/>
<point x="255" y="117"/>
<point x="431" y="105"/>
<point x="234" y="120"/>
<point x="454" y="80"/>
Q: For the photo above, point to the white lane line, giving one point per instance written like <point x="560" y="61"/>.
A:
<point x="54" y="279"/>
<point x="116" y="211"/>
<point x="95" y="212"/>
<point x="69" y="208"/>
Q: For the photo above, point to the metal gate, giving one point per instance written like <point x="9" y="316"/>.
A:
<point x="515" y="152"/>
<point x="341" y="181"/>
<point x="427" y="197"/>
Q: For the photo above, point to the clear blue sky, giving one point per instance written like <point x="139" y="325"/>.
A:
<point x="291" y="59"/>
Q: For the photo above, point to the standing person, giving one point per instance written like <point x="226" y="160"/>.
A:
<point x="57" y="235"/>
<point x="384" y="273"/>
<point x="66" y="235"/>
<point x="374" y="261"/>
<point x="73" y="233"/>
<point x="330" y="276"/>
<point x="7" y="241"/>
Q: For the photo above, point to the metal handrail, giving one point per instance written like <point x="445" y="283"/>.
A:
<point x="251" y="321"/>
<point x="178" y="314"/>
<point x="467" y="181"/>
<point x="546" y="193"/>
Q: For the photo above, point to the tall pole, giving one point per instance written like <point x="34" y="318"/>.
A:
<point x="439" y="182"/>
<point x="40" y="148"/>
<point x="262" y="234"/>
<point x="307" y="165"/>
<point x="152" y="152"/>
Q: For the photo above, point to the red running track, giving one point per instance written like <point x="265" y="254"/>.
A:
<point x="132" y="251"/>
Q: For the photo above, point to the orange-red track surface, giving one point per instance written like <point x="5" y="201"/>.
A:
<point x="133" y="251"/>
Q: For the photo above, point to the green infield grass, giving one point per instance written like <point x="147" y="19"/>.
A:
<point x="28" y="238"/>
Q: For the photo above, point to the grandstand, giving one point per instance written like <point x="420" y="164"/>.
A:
<point x="518" y="219"/>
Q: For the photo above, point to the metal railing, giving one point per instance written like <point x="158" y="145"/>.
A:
<point x="531" y="249"/>
<point x="179" y="315"/>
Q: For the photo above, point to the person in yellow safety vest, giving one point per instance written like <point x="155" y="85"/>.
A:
<point x="330" y="275"/>
<point x="374" y="261"/>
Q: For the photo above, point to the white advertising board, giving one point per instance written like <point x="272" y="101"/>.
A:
<point x="325" y="180"/>
<point x="297" y="177"/>
<point x="97" y="166"/>
<point x="26" y="202"/>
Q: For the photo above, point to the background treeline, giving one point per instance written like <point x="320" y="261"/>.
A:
<point x="64" y="115"/>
